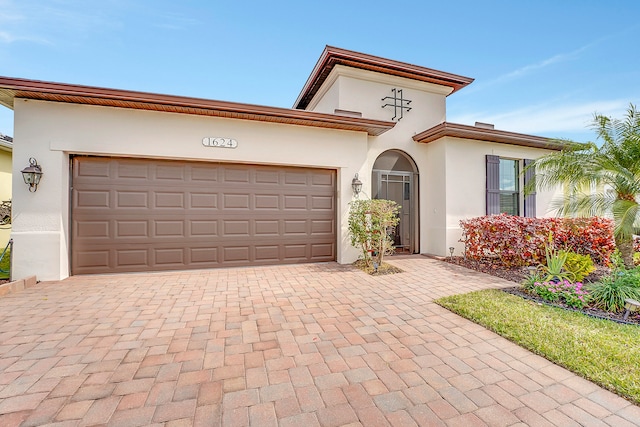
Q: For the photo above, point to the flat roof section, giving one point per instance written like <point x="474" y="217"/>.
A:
<point x="332" y="56"/>
<point x="486" y="134"/>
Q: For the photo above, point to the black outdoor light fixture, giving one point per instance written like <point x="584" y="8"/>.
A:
<point x="32" y="174"/>
<point x="356" y="184"/>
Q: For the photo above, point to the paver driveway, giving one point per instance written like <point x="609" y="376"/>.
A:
<point x="305" y="345"/>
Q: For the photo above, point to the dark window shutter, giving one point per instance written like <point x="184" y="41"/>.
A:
<point x="529" y="200"/>
<point x="493" y="184"/>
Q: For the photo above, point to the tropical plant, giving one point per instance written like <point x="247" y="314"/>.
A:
<point x="579" y="265"/>
<point x="369" y="224"/>
<point x="610" y="292"/>
<point x="534" y="277"/>
<point x="612" y="168"/>
<point x="554" y="268"/>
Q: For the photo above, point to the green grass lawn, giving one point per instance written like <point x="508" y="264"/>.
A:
<point x="602" y="351"/>
<point x="4" y="265"/>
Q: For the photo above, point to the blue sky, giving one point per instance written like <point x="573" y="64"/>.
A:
<point x="542" y="67"/>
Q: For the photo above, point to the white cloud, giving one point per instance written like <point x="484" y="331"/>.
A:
<point x="528" y="69"/>
<point x="44" y="22"/>
<point x="548" y="118"/>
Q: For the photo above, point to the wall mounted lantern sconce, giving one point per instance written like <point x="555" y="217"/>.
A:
<point x="356" y="184"/>
<point x="32" y="174"/>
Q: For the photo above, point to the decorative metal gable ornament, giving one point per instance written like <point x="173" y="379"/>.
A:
<point x="399" y="104"/>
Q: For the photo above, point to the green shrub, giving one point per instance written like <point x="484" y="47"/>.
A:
<point x="369" y="224"/>
<point x="611" y="291"/>
<point x="580" y="265"/>
<point x="529" y="282"/>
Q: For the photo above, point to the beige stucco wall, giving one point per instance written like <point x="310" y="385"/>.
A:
<point x="466" y="183"/>
<point x="51" y="131"/>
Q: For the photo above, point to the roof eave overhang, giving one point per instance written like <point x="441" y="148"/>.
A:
<point x="332" y="56"/>
<point x="12" y="88"/>
<point x="455" y="130"/>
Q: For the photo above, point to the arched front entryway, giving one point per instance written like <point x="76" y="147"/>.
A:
<point x="395" y="177"/>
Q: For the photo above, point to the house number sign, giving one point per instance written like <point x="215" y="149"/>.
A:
<point x="219" y="142"/>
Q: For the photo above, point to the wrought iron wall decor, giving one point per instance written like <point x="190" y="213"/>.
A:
<point x="398" y="102"/>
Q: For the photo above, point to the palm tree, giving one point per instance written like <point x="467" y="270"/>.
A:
<point x="613" y="168"/>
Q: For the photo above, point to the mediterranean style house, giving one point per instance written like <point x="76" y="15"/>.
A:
<point x="135" y="181"/>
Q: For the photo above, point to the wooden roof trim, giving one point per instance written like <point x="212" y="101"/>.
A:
<point x="332" y="56"/>
<point x="11" y="88"/>
<point x="483" y="134"/>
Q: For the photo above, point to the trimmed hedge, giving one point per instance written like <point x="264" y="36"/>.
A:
<point x="520" y="241"/>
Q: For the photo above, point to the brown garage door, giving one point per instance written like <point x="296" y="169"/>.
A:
<point x="142" y="215"/>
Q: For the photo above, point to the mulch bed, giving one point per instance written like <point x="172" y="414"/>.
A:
<point x="518" y="274"/>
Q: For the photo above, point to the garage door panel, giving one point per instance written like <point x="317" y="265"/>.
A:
<point x="168" y="200"/>
<point x="323" y="180"/>
<point x="132" y="257"/>
<point x="321" y="202"/>
<point x="143" y="214"/>
<point x="267" y="177"/>
<point x="295" y="202"/>
<point x="94" y="170"/>
<point x="268" y="227"/>
<point x="267" y="201"/>
<point x="235" y="175"/>
<point x="169" y="257"/>
<point x="169" y="228"/>
<point x="92" y="230"/>
<point x="204" y="228"/>
<point x="236" y="254"/>
<point x="203" y="201"/>
<point x="322" y="227"/>
<point x="170" y="172"/>
<point x="92" y="260"/>
<point x="203" y="172"/>
<point x="236" y="228"/>
<point x="132" y="199"/>
<point x="235" y="201"/>
<point x="267" y="253"/>
<point x="295" y="226"/>
<point x="126" y="229"/>
<point x="322" y="251"/>
<point x="93" y="199"/>
<point x="203" y="256"/>
<point x="132" y="169"/>
<point x="295" y="178"/>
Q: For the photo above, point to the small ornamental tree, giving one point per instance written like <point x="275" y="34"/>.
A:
<point x="370" y="225"/>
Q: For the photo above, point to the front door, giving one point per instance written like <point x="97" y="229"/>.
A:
<point x="398" y="187"/>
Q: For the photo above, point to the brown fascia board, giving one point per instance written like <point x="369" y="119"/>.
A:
<point x="12" y="88"/>
<point x="482" y="134"/>
<point x="332" y="56"/>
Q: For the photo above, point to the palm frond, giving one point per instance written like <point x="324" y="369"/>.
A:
<point x="625" y="215"/>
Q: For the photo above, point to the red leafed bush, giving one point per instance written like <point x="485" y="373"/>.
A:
<point x="519" y="241"/>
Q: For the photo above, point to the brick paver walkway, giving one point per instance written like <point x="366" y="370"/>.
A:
<point x="307" y="345"/>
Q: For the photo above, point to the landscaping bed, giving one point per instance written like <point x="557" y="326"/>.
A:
<point x="518" y="274"/>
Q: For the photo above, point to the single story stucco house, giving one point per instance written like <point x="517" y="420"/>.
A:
<point x="138" y="181"/>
